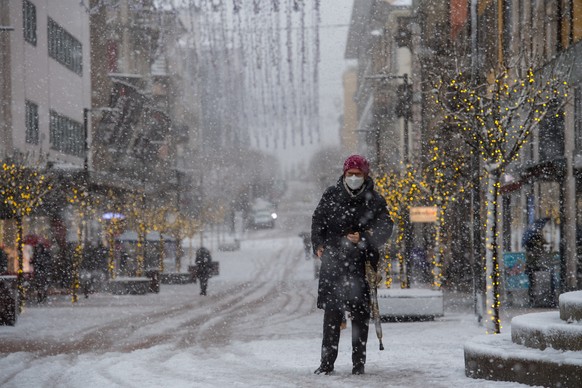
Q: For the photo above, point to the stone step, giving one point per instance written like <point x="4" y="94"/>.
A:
<point x="546" y="330"/>
<point x="496" y="357"/>
<point x="131" y="286"/>
<point x="571" y="306"/>
<point x="175" y="278"/>
<point x="8" y="300"/>
<point x="410" y="304"/>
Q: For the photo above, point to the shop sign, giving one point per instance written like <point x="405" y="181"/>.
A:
<point x="423" y="214"/>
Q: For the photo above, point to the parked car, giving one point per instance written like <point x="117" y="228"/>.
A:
<point x="263" y="218"/>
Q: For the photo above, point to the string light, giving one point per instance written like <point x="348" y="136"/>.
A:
<point x="23" y="190"/>
<point x="279" y="71"/>
<point x="78" y="196"/>
<point x="497" y="119"/>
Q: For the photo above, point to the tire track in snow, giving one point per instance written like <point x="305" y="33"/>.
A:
<point x="248" y="314"/>
<point x="217" y="320"/>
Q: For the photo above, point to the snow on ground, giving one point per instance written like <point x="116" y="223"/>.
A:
<point x="258" y="327"/>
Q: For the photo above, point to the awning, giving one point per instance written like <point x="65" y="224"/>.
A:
<point x="131" y="236"/>
<point x="549" y="171"/>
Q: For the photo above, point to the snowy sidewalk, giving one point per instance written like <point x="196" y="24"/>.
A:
<point x="258" y="327"/>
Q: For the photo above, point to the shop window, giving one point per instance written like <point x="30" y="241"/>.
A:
<point x="551" y="136"/>
<point x="506" y="203"/>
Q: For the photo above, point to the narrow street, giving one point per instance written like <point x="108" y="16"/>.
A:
<point x="257" y="327"/>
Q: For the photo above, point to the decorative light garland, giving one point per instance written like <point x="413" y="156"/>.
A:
<point x="496" y="119"/>
<point x="23" y="189"/>
<point x="286" y="89"/>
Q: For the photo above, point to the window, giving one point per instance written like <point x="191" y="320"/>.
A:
<point x="507" y="30"/>
<point x="64" y="48"/>
<point x="29" y="22"/>
<point x="551" y="135"/>
<point x="112" y="56"/>
<point x="66" y="135"/>
<point x="31" y="112"/>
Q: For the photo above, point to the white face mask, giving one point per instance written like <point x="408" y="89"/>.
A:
<point x="354" y="182"/>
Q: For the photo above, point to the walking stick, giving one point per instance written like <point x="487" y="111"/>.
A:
<point x="371" y="277"/>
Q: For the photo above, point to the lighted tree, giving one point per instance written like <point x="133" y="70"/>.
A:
<point x="495" y="119"/>
<point x="212" y="214"/>
<point x="159" y="221"/>
<point x="137" y="216"/>
<point x="23" y="189"/>
<point x="183" y="226"/>
<point x="149" y="216"/>
<point x="78" y="196"/>
<point x="401" y="190"/>
<point x="113" y="222"/>
<point x="444" y="180"/>
<point x="153" y="215"/>
<point x="216" y="214"/>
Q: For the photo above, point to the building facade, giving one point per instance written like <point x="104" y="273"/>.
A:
<point x="47" y="83"/>
<point x="89" y="97"/>
<point x="475" y="37"/>
<point x="45" y="89"/>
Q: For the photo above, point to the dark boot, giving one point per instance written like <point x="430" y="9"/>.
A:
<point x="324" y="369"/>
<point x="329" y="346"/>
<point x="359" y="339"/>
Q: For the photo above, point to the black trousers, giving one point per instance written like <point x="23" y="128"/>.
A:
<point x="332" y="319"/>
<point x="203" y="284"/>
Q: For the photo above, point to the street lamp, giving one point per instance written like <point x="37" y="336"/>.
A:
<point x="404" y="106"/>
<point x="86" y="161"/>
<point x="86" y="144"/>
<point x="404" y="110"/>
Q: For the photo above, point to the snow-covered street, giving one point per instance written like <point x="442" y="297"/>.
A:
<point x="257" y="327"/>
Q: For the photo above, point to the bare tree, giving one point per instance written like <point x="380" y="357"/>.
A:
<point x="496" y="118"/>
<point x="443" y="181"/>
<point x="23" y="190"/>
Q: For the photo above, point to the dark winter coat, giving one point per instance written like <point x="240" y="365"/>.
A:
<point x="3" y="262"/>
<point x="41" y="263"/>
<point x="203" y="260"/>
<point x="534" y="252"/>
<point x="342" y="279"/>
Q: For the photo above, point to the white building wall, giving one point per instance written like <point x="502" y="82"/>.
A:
<point x="44" y="81"/>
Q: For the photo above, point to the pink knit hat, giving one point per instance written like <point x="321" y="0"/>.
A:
<point x="357" y="161"/>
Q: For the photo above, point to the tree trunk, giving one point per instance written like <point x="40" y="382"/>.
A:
<point x="77" y="260"/>
<point x="492" y="271"/>
<point x="141" y="241"/>
<point x="179" y="253"/>
<point x="20" y="250"/>
<point x="401" y="248"/>
<point x="111" y="263"/>
<point x="437" y="260"/>
<point x="162" y="252"/>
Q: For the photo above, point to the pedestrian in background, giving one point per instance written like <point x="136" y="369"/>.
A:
<point x="3" y="261"/>
<point x="534" y="253"/>
<point x="308" y="251"/>
<point x="41" y="264"/>
<point x="203" y="268"/>
<point x="349" y="228"/>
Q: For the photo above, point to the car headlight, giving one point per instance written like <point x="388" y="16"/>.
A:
<point x="274" y="216"/>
